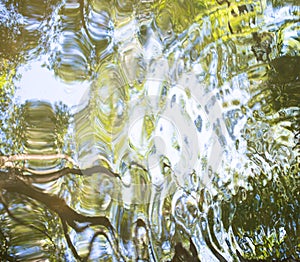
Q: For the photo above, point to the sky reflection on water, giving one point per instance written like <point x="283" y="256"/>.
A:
<point x="183" y="117"/>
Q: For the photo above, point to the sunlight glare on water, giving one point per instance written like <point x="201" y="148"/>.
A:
<point x="149" y="130"/>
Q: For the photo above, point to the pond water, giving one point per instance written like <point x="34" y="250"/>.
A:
<point x="150" y="130"/>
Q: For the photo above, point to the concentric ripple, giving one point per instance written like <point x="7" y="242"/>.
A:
<point x="184" y="148"/>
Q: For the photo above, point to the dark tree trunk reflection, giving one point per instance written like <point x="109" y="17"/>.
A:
<point x="13" y="181"/>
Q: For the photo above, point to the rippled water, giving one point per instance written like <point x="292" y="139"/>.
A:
<point x="149" y="130"/>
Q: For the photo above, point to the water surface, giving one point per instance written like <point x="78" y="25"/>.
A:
<point x="149" y="130"/>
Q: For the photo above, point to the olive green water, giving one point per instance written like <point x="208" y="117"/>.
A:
<point x="149" y="130"/>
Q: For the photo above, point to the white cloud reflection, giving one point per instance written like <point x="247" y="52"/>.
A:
<point x="39" y="83"/>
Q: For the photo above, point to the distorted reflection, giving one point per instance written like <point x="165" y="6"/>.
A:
<point x="149" y="130"/>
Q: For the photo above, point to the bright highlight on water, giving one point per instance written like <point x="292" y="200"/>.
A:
<point x="149" y="130"/>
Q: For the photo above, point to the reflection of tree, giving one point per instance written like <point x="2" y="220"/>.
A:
<point x="22" y="27"/>
<point x="34" y="135"/>
<point x="265" y="216"/>
<point x="31" y="161"/>
<point x="13" y="181"/>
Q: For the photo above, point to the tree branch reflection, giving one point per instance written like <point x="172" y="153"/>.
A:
<point x="14" y="180"/>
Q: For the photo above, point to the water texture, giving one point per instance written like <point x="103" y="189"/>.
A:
<point x="159" y="130"/>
